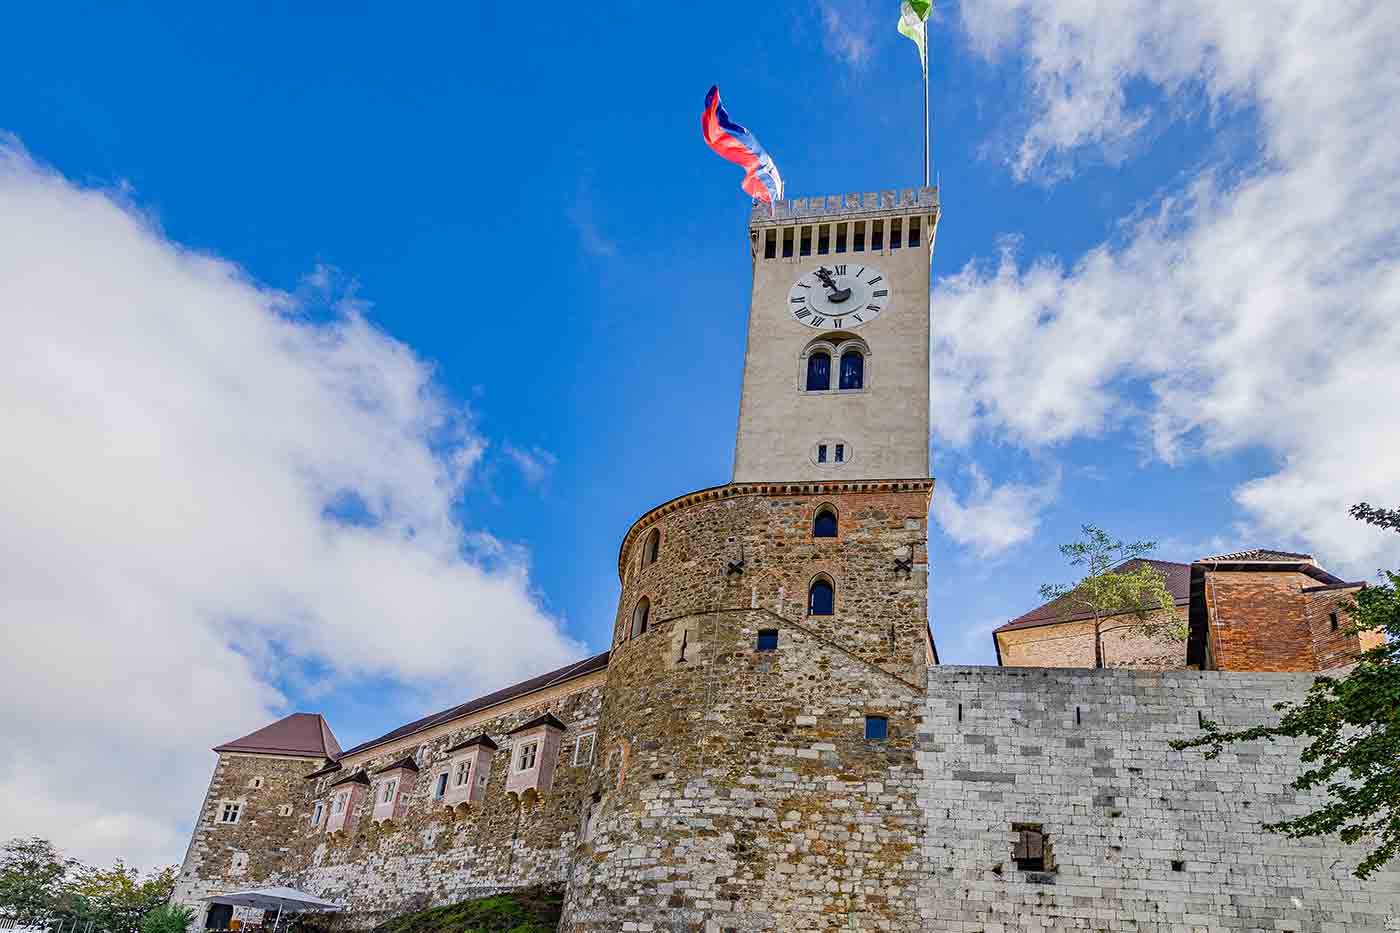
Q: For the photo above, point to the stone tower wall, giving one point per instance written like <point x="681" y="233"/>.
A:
<point x="737" y="789"/>
<point x="1143" y="838"/>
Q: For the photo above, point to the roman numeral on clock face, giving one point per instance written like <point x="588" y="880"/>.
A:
<point x="881" y="293"/>
<point x="800" y="299"/>
<point x="818" y="320"/>
<point x="801" y="314"/>
<point x="840" y="270"/>
<point x="836" y="322"/>
<point x="875" y="308"/>
<point x="874" y="280"/>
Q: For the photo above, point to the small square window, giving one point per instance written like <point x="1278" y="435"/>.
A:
<point x="768" y="640"/>
<point x="528" y="754"/>
<point x="583" y="749"/>
<point x="821" y="453"/>
<point x="877" y="728"/>
<point x="840" y="453"/>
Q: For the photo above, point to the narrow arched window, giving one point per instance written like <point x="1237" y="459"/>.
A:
<point x="651" y="547"/>
<point x="821" y="598"/>
<point x="639" y="616"/>
<point x="824" y="525"/>
<point x="852" y="370"/>
<point x="818" y="372"/>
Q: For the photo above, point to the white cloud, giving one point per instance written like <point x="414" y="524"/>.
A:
<point x="847" y="32"/>
<point x="991" y="519"/>
<point x="535" y="465"/>
<point x="1245" y="310"/>
<point x="178" y="442"/>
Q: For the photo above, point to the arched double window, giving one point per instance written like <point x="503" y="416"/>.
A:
<point x="651" y="547"/>
<point x="852" y="370"/>
<point x="821" y="597"/>
<point x="639" y="616"/>
<point x="824" y="525"/>
<point x="818" y="372"/>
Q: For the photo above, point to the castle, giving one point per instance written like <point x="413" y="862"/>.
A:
<point x="771" y="744"/>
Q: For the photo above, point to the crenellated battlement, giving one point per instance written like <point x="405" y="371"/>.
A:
<point x="832" y="206"/>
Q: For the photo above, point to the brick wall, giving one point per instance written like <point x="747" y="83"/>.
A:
<point x="1334" y="647"/>
<point x="1071" y="644"/>
<point x="1258" y="621"/>
<point x="1084" y="755"/>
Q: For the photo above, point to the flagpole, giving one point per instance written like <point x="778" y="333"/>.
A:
<point x="924" y="26"/>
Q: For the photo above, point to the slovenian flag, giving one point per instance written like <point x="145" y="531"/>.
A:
<point x="738" y="145"/>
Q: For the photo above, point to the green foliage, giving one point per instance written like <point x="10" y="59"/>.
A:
<point x="33" y="876"/>
<point x="167" y="918"/>
<point x="1352" y="728"/>
<point x="530" y="910"/>
<point x="1104" y="594"/>
<point x="117" y="898"/>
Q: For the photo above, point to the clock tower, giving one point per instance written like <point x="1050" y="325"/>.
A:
<point x="836" y="367"/>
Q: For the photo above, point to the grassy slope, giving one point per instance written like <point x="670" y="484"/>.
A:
<point x="531" y="910"/>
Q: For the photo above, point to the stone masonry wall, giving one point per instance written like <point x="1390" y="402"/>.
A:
<point x="265" y="835"/>
<point x="428" y="854"/>
<point x="1142" y="838"/>
<point x="1071" y="644"/>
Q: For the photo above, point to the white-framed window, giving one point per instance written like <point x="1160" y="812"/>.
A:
<point x="390" y="788"/>
<point x="318" y="810"/>
<point x="463" y="775"/>
<point x="338" y="803"/>
<point x="230" y="811"/>
<point x="583" y="748"/>
<point x="284" y="810"/>
<point x="525" y="760"/>
<point x="440" y="788"/>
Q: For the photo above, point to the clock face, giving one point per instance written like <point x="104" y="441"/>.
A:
<point x="839" y="295"/>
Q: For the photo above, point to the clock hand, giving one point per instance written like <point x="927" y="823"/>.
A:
<point x="837" y="295"/>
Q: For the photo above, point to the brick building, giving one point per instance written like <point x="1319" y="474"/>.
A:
<point x="770" y="744"/>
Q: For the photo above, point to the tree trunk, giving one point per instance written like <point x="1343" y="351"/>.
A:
<point x="1098" y="645"/>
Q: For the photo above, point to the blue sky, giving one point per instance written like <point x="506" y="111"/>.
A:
<point x="504" y="284"/>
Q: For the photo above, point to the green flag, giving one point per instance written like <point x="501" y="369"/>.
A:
<point x="913" y="14"/>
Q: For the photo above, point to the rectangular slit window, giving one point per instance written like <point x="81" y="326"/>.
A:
<point x="913" y="231"/>
<point x="877" y="235"/>
<point x="821" y="453"/>
<point x="877" y="728"/>
<point x="768" y="640"/>
<point x="894" y="233"/>
<point x="840" y="238"/>
<point x="823" y="240"/>
<point x="806" y="241"/>
<point x="770" y="244"/>
<point x="1332" y="617"/>
<point x="840" y="453"/>
<point x="787" y="242"/>
<point x="858" y="241"/>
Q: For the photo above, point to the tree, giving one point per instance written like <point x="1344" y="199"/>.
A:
<point x="32" y="879"/>
<point x="117" y="898"/>
<point x="167" y="918"/>
<point x="1352" y="727"/>
<point x="1107" y="591"/>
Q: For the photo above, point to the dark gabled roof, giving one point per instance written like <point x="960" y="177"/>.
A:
<point x="359" y="777"/>
<point x="330" y="768"/>
<point x="1178" y="584"/>
<point x="483" y="740"/>
<point x="300" y="734"/>
<point x="1256" y="554"/>
<point x="403" y="764"/>
<point x="587" y="666"/>
<point x="548" y="719"/>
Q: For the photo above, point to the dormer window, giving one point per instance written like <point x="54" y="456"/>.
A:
<point x="346" y="795"/>
<point x="389" y="792"/>
<point x="468" y="770"/>
<point x="527" y="757"/>
<point x="462" y="775"/>
<point x="537" y="745"/>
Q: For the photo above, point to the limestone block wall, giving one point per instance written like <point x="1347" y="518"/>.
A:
<point x="1142" y="838"/>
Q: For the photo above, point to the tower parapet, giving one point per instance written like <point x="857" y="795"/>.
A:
<point x="832" y="206"/>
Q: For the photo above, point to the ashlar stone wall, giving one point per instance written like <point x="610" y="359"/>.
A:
<point x="1142" y="838"/>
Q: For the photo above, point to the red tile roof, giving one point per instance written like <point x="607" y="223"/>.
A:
<point x="301" y="734"/>
<point x="1178" y="584"/>
<point x="568" y="672"/>
<point x="1257" y="554"/>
